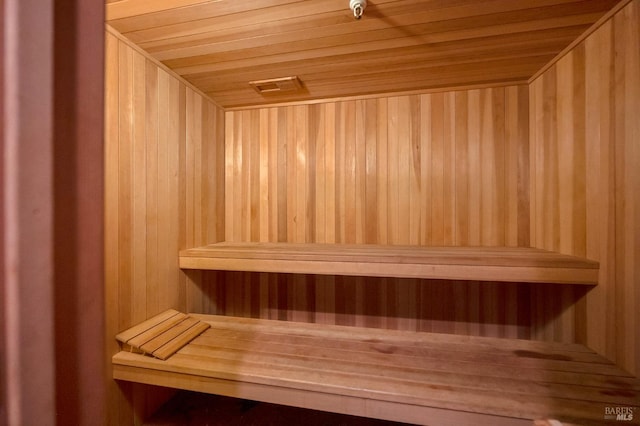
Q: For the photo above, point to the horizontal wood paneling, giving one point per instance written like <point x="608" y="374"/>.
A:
<point x="159" y="137"/>
<point x="397" y="46"/>
<point x="585" y="180"/>
<point x="435" y="169"/>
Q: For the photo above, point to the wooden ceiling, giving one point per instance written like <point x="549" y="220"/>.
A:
<point x="399" y="45"/>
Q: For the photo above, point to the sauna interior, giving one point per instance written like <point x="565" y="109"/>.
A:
<point x="500" y="138"/>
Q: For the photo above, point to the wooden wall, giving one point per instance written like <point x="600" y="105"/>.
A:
<point x="550" y="165"/>
<point x="509" y="310"/>
<point x="585" y="179"/>
<point x="448" y="168"/>
<point x="160" y="139"/>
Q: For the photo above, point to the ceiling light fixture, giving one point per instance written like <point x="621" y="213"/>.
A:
<point x="357" y="6"/>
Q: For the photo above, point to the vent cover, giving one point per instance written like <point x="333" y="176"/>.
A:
<point x="277" y="85"/>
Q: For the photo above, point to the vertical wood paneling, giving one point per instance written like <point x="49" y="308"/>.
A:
<point x="474" y="164"/>
<point x="459" y="307"/>
<point x="433" y="169"/>
<point x="436" y="169"/>
<point x="119" y="410"/>
<point x="164" y="267"/>
<point x="138" y="207"/>
<point x="553" y="166"/>
<point x="164" y="190"/>
<point x="462" y="165"/>
<point x="584" y="173"/>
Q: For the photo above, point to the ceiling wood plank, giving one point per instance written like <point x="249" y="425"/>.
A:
<point x="399" y="45"/>
<point x="128" y="8"/>
<point x="415" y="25"/>
<point x="336" y="23"/>
<point x="251" y="57"/>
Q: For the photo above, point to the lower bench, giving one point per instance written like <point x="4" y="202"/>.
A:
<point x="411" y="377"/>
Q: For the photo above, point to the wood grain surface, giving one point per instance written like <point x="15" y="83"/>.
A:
<point x="584" y="176"/>
<point x="510" y="264"/>
<point x="397" y="46"/>
<point x="310" y="364"/>
<point x="158" y="137"/>
<point x="436" y="169"/>
<point x="552" y="165"/>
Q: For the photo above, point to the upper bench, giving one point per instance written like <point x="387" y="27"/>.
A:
<point x="507" y="264"/>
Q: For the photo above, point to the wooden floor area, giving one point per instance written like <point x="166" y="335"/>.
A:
<point x="410" y="377"/>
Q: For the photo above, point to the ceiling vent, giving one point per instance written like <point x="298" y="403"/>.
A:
<point x="276" y="85"/>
